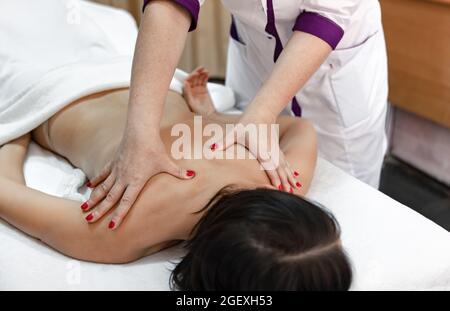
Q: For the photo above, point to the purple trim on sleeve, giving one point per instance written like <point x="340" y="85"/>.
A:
<point x="271" y="29"/>
<point x="233" y="30"/>
<point x="193" y="7"/>
<point x="296" y="108"/>
<point x="321" y="27"/>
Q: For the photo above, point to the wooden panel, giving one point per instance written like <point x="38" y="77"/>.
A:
<point x="418" y="41"/>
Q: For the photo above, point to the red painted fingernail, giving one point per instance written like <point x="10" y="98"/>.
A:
<point x="88" y="184"/>
<point x="298" y="185"/>
<point x="213" y="147"/>
<point x="291" y="191"/>
<point x="112" y="224"/>
<point x="89" y="217"/>
<point x="280" y="187"/>
<point x="190" y="173"/>
<point x="296" y="174"/>
<point x="85" y="206"/>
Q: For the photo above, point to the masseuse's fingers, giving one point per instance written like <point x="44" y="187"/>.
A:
<point x="293" y="177"/>
<point x="177" y="171"/>
<point x="292" y="181"/>
<point x="104" y="173"/>
<point x="273" y="176"/>
<point x="107" y="203"/>
<point x="128" y="199"/>
<point x="99" y="193"/>
<point x="284" y="179"/>
<point x="285" y="174"/>
<point x="128" y="195"/>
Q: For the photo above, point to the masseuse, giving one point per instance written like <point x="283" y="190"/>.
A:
<point x="320" y="59"/>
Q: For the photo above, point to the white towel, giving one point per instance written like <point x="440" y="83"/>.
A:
<point x="53" y="52"/>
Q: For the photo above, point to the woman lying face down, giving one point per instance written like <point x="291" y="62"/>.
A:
<point x="264" y="240"/>
<point x="241" y="234"/>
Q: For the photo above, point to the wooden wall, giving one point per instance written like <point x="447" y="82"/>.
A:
<point x="418" y="41"/>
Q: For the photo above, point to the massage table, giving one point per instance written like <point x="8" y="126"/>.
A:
<point x="391" y="247"/>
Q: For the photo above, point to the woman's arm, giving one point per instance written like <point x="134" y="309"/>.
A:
<point x="12" y="156"/>
<point x="57" y="222"/>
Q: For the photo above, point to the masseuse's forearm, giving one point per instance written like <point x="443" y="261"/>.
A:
<point x="161" y="40"/>
<point x="301" y="58"/>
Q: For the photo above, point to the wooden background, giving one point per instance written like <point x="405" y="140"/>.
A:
<point x="418" y="41"/>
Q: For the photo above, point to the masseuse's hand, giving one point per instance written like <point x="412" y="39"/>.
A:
<point x="264" y="147"/>
<point x="137" y="160"/>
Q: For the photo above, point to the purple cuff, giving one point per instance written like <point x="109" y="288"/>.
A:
<point x="193" y="7"/>
<point x="321" y="27"/>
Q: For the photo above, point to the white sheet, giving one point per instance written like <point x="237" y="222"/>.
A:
<point x="391" y="246"/>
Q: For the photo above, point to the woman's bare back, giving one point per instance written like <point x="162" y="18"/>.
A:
<point x="88" y="132"/>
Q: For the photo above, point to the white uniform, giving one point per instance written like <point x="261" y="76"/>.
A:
<point x="346" y="98"/>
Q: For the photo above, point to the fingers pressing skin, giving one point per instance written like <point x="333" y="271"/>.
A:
<point x="274" y="179"/>
<point x="128" y="199"/>
<point x="106" y="195"/>
<point x="107" y="203"/>
<point x="283" y="178"/>
<point x="99" y="193"/>
<point x="281" y="175"/>
<point x="287" y="174"/>
<point x="104" y="173"/>
<point x="291" y="178"/>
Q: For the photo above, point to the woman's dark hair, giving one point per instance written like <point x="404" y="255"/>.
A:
<point x="264" y="240"/>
